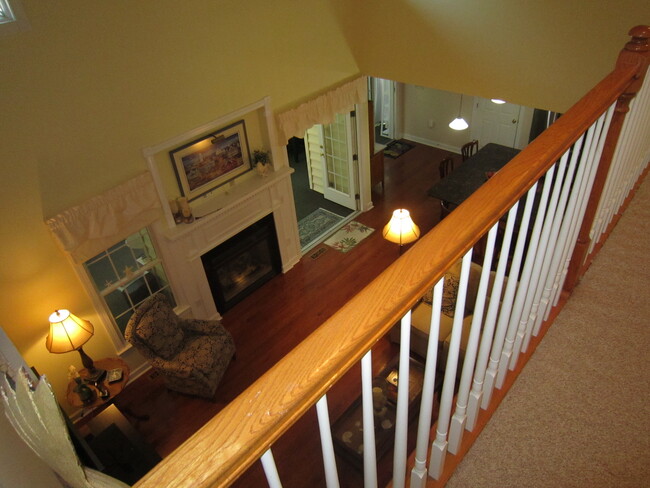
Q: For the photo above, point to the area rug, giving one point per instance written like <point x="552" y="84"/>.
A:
<point x="348" y="236"/>
<point x="316" y="224"/>
<point x="396" y="148"/>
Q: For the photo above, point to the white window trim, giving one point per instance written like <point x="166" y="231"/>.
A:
<point x="15" y="20"/>
<point x="121" y="345"/>
<point x="6" y="13"/>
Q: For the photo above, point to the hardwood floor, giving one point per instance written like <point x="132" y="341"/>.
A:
<point x="277" y="317"/>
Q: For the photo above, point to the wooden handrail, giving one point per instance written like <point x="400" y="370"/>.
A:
<point x="230" y="442"/>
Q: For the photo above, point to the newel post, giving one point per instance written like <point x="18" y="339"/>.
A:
<point x="636" y="53"/>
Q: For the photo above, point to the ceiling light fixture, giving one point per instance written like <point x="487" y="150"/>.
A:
<point x="498" y="101"/>
<point x="459" y="123"/>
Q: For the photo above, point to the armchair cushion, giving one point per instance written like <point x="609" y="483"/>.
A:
<point x="159" y="329"/>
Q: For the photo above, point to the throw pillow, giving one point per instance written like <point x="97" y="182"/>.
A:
<point x="450" y="290"/>
<point x="159" y="330"/>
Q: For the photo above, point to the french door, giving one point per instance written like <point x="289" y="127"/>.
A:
<point x="331" y="160"/>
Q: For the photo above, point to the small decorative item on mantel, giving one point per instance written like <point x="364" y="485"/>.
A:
<point x="186" y="211"/>
<point x="262" y="162"/>
<point x="86" y="394"/>
<point x="176" y="211"/>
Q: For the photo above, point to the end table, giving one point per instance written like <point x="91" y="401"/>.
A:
<point x="114" y="389"/>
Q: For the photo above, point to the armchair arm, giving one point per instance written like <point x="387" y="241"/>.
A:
<point x="172" y="368"/>
<point x="204" y="327"/>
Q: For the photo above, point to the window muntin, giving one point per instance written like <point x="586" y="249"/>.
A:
<point x="6" y="14"/>
<point x="126" y="274"/>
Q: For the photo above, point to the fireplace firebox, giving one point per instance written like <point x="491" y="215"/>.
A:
<point x="243" y="263"/>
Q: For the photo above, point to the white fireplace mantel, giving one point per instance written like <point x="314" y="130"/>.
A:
<point x="183" y="245"/>
<point x="221" y="215"/>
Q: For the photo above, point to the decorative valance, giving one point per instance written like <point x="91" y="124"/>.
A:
<point x="95" y="225"/>
<point x="322" y="109"/>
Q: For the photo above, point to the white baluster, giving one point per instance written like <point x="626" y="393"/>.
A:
<point x="459" y="419"/>
<point x="531" y="280"/>
<point x="476" y="393"/>
<point x="506" y="307"/>
<point x="439" y="446"/>
<point x="591" y="165"/>
<point x="553" y="258"/>
<point x="329" y="460"/>
<point x="270" y="470"/>
<point x="554" y="289"/>
<point x="606" y="200"/>
<point x="401" y="415"/>
<point x="419" y="471"/>
<point x="570" y="227"/>
<point x="523" y="335"/>
<point x="486" y="368"/>
<point x="369" y="446"/>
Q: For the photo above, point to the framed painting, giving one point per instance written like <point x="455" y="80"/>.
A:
<point x="209" y="162"/>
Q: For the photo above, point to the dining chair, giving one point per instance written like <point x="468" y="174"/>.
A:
<point x="445" y="167"/>
<point x="469" y="149"/>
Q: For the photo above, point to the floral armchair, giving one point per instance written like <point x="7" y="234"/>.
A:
<point x="192" y="355"/>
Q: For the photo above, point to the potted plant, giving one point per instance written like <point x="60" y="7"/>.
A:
<point x="262" y="161"/>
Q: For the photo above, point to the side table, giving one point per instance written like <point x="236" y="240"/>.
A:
<point x="347" y="431"/>
<point x="114" y="389"/>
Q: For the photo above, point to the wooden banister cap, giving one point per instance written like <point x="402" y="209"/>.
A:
<point x="639" y="42"/>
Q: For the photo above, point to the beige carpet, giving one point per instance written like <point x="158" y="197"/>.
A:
<point x="579" y="415"/>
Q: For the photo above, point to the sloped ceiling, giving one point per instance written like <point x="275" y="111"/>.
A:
<point x="539" y="54"/>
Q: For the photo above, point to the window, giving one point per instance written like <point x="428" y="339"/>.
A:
<point x="126" y="274"/>
<point x="6" y="14"/>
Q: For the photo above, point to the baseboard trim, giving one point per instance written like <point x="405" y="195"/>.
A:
<point x="430" y="143"/>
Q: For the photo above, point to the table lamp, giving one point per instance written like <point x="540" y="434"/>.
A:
<point x="401" y="229"/>
<point x="69" y="333"/>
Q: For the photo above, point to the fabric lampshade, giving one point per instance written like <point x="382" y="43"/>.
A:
<point x="67" y="332"/>
<point x="401" y="229"/>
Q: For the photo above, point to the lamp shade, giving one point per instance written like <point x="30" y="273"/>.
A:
<point x="401" y="229"/>
<point x="458" y="123"/>
<point x="67" y="332"/>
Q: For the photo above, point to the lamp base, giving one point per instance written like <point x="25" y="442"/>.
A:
<point x="94" y="374"/>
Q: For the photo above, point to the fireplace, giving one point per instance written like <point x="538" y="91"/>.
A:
<point x="243" y="263"/>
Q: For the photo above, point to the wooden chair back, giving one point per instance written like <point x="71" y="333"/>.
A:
<point x="445" y="167"/>
<point x="469" y="149"/>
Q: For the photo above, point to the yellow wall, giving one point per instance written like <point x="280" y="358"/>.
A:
<point x="92" y="83"/>
<point x="543" y="54"/>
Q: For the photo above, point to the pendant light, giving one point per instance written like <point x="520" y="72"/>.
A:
<point x="459" y="123"/>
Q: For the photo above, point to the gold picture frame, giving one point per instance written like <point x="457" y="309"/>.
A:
<point x="211" y="161"/>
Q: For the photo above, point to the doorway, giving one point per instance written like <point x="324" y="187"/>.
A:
<point x="383" y="97"/>
<point x="325" y="179"/>
<point x="500" y="122"/>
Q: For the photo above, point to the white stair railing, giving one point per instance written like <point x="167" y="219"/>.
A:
<point x="628" y="162"/>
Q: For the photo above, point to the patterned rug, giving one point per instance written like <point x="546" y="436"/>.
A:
<point x="349" y="236"/>
<point x="396" y="148"/>
<point x="316" y="224"/>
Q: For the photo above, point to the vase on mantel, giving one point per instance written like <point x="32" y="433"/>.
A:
<point x="262" y="162"/>
<point x="263" y="169"/>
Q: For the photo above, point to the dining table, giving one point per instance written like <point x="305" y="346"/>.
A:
<point x="464" y="180"/>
